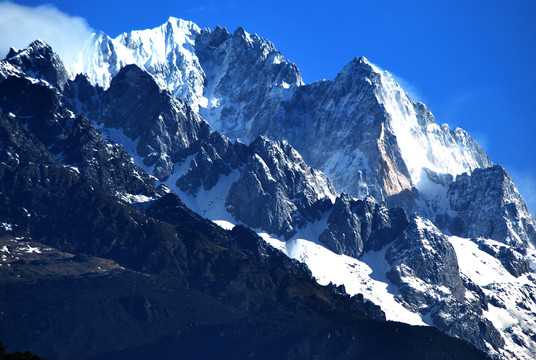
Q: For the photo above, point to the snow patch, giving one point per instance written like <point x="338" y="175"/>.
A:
<point x="365" y="276"/>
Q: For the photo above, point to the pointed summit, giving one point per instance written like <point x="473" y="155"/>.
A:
<point x="182" y="24"/>
<point x="39" y="60"/>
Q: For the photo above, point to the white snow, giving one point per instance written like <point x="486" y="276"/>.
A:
<point x="30" y="249"/>
<point x="507" y="290"/>
<point x="227" y="225"/>
<point x="210" y="203"/>
<point x="482" y="268"/>
<point x="6" y="226"/>
<point x="365" y="276"/>
<point x="431" y="146"/>
<point x="167" y="50"/>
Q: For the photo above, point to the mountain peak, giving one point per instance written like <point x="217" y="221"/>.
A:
<point x="36" y="46"/>
<point x="360" y="64"/>
<point x="182" y="24"/>
<point x="38" y="60"/>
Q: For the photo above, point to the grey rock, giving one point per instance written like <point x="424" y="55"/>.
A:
<point x="37" y="61"/>
<point x="487" y="204"/>
<point x="208" y="165"/>
<point x="276" y="190"/>
<point x="425" y="270"/>
<point x="468" y="325"/>
<point x="82" y="97"/>
<point x="513" y="259"/>
<point x="167" y="130"/>
<point x="355" y="226"/>
<point x="109" y="165"/>
<point x="423" y="252"/>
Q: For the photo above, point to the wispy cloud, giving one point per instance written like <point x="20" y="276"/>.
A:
<point x="20" y="25"/>
<point x="407" y="86"/>
<point x="482" y="139"/>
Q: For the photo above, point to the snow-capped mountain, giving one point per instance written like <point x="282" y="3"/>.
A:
<point x="361" y="129"/>
<point x="226" y="123"/>
<point x="244" y="88"/>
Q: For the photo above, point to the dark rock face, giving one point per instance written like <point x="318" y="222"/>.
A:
<point x="38" y="61"/>
<point x="81" y="96"/>
<point x="471" y="326"/>
<point x="425" y="270"/>
<point x="276" y="190"/>
<point x="19" y="146"/>
<point x="109" y="165"/>
<point x="488" y="205"/>
<point x="355" y="226"/>
<point x="73" y="140"/>
<point x="217" y="157"/>
<point x="166" y="129"/>
<point x="424" y="252"/>
<point x="38" y="106"/>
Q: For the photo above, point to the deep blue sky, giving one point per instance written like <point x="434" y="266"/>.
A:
<point x="472" y="62"/>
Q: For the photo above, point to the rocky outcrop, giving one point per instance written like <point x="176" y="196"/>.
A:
<point x="165" y="129"/>
<point x="425" y="269"/>
<point x="217" y="157"/>
<point x="82" y="149"/>
<point x="277" y="191"/>
<point x="37" y="61"/>
<point x="423" y="252"/>
<point x="513" y="259"/>
<point x="487" y="204"/>
<point x="355" y="226"/>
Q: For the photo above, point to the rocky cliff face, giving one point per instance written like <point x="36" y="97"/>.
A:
<point x="277" y="191"/>
<point x="73" y="139"/>
<point x="355" y="226"/>
<point x="487" y="204"/>
<point x="37" y="61"/>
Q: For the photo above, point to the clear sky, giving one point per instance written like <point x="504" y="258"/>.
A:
<point x="472" y="62"/>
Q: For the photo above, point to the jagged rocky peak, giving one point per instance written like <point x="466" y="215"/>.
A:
<point x="424" y="268"/>
<point x="359" y="68"/>
<point x="37" y="61"/>
<point x="246" y="75"/>
<point x="131" y="102"/>
<point x="164" y="129"/>
<point x="166" y="52"/>
<point x="277" y="191"/>
<point x="423" y="143"/>
<point x="487" y="204"/>
<point x="355" y="226"/>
